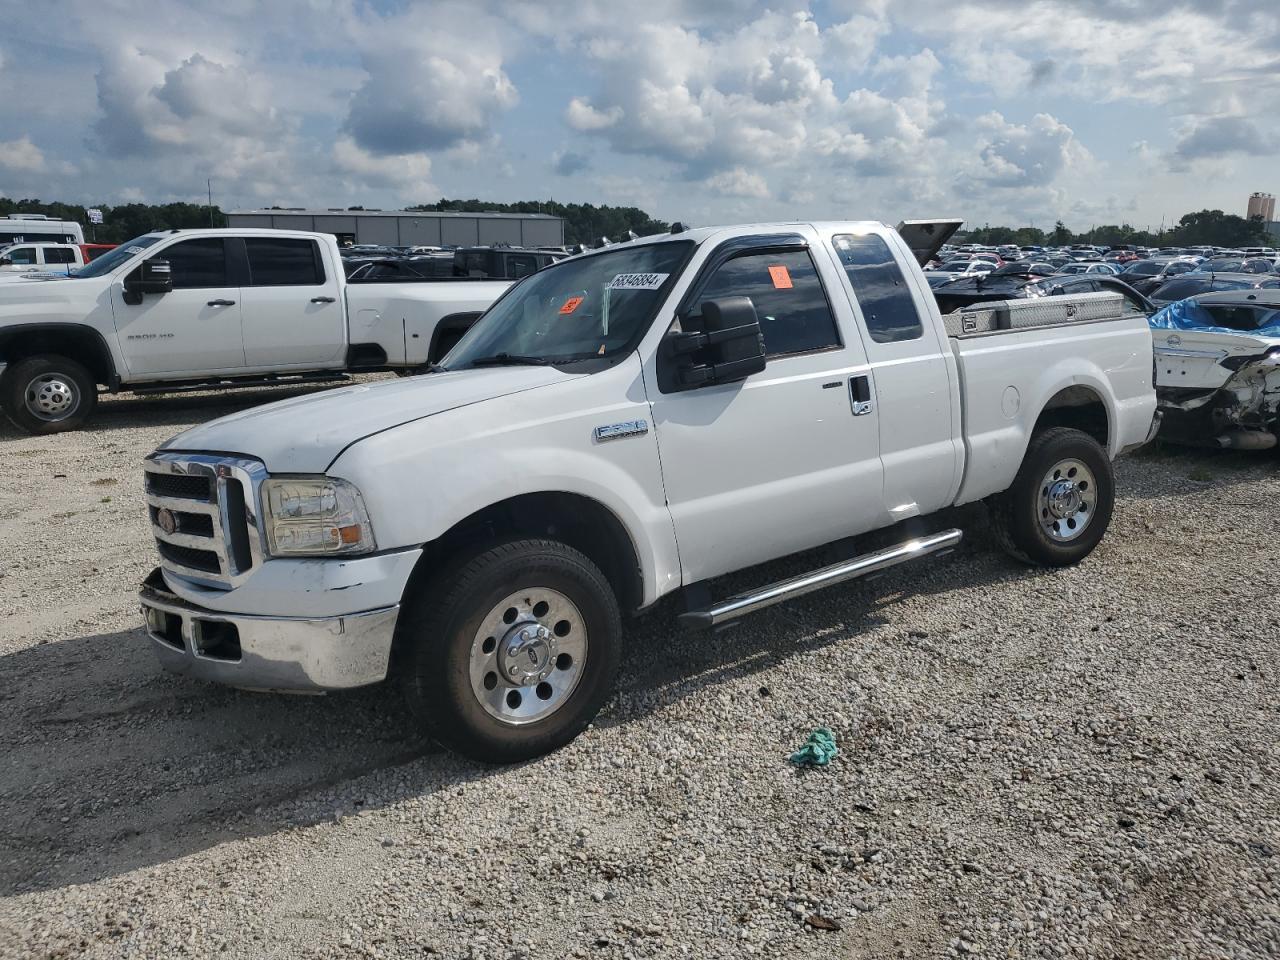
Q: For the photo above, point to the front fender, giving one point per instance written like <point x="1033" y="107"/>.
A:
<point x="422" y="478"/>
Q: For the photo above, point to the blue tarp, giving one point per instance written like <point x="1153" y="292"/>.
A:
<point x="1192" y="315"/>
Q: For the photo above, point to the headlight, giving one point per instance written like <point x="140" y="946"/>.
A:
<point x="315" y="516"/>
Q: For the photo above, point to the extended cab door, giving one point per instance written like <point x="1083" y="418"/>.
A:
<point x="293" y="310"/>
<point x="778" y="462"/>
<point x="192" y="330"/>
<point x="913" y="373"/>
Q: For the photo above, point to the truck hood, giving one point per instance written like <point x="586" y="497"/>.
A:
<point x="306" y="434"/>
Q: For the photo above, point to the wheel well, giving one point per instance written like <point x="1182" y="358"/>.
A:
<point x="82" y="344"/>
<point x="577" y="521"/>
<point x="1078" y="407"/>
<point x="447" y="333"/>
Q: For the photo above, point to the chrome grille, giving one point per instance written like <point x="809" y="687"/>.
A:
<point x="203" y="513"/>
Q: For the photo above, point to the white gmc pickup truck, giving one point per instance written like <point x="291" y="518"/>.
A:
<point x="620" y="426"/>
<point x="194" y="309"/>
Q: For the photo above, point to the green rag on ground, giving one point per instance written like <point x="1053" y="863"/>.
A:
<point x="818" y="751"/>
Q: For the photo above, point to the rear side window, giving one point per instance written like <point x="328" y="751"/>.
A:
<point x="880" y="288"/>
<point x="788" y="296"/>
<point x="283" y="262"/>
<point x="197" y="263"/>
<point x="58" y="255"/>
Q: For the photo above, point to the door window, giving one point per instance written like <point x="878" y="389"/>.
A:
<point x="788" y="296"/>
<point x="520" y="265"/>
<point x="197" y="263"/>
<point x="22" y="255"/>
<point x="880" y="288"/>
<point x="283" y="262"/>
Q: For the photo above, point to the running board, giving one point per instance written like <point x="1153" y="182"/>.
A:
<point x="744" y="603"/>
<point x="285" y="381"/>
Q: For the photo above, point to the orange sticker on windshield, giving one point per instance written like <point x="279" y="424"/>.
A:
<point x="571" y="304"/>
<point x="781" y="277"/>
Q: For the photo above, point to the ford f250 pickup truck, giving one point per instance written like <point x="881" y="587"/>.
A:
<point x="195" y="309"/>
<point x="623" y="425"/>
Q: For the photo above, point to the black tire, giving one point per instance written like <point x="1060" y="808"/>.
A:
<point x="438" y="636"/>
<point x="1017" y="514"/>
<point x="19" y="394"/>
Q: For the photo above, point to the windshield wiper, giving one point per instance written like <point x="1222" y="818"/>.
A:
<point x="509" y="360"/>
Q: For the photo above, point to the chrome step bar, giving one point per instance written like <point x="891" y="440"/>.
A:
<point x="744" y="603"/>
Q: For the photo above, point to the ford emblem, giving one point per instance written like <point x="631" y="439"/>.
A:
<point x="1173" y="340"/>
<point x="166" y="521"/>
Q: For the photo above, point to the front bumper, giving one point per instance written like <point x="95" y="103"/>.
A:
<point x="267" y="653"/>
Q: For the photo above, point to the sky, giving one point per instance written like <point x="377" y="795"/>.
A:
<point x="705" y="111"/>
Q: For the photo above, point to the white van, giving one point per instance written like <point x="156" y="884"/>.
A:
<point x="38" y="228"/>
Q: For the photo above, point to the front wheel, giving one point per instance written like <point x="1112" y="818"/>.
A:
<point x="1061" y="500"/>
<point x="512" y="655"/>
<point x="48" y="394"/>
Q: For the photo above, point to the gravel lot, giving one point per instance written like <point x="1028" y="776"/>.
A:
<point x="1077" y="763"/>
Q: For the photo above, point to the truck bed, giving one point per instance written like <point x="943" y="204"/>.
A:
<point x="1014" y="356"/>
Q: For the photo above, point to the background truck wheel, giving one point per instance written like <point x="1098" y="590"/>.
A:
<point x="512" y="655"/>
<point x="1060" y="502"/>
<point x="48" y="394"/>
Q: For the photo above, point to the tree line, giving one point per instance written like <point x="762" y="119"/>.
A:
<point x="1202" y="228"/>
<point x="586" y="222"/>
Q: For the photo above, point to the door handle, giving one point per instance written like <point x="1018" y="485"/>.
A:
<point x="322" y="299"/>
<point x="860" y="396"/>
<point x="221" y="303"/>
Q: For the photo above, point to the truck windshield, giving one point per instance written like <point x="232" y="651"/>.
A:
<point x="113" y="258"/>
<point x="584" y="308"/>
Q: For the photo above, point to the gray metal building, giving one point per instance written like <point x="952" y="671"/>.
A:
<point x="413" y="227"/>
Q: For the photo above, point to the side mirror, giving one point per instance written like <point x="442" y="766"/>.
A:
<point x="6" y="261"/>
<point x="151" y="276"/>
<point x="728" y="346"/>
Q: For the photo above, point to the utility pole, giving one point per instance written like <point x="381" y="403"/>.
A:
<point x="209" y="183"/>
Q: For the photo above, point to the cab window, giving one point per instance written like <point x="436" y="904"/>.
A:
<point x="788" y="296"/>
<point x="21" y="255"/>
<point x="197" y="263"/>
<point x="880" y="287"/>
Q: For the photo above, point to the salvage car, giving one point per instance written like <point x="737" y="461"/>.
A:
<point x="1195" y="283"/>
<point x="1146" y="275"/>
<point x="1218" y="369"/>
<point x="622" y="426"/>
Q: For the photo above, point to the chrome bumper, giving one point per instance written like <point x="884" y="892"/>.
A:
<point x="267" y="653"/>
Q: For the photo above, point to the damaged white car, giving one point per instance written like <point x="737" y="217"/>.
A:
<point x="1218" y="369"/>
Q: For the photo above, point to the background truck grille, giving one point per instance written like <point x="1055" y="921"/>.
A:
<point x="201" y="509"/>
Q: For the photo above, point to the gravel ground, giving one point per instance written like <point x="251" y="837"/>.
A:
<point x="1073" y="763"/>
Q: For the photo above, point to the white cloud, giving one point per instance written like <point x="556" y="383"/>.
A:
<point x="738" y="183"/>
<point x="408" y="174"/>
<point x="581" y="115"/>
<point x="21" y="156"/>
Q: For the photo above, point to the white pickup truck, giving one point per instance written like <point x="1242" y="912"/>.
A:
<point x="623" y="425"/>
<point x="193" y="309"/>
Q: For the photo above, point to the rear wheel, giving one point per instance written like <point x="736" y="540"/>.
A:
<point x="513" y="655"/>
<point x="48" y="394"/>
<point x="1061" y="500"/>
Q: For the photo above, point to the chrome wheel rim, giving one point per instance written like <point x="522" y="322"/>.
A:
<point x="1068" y="500"/>
<point x="527" y="655"/>
<point x="52" y="396"/>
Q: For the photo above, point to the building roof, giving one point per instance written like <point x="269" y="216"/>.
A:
<point x="309" y="212"/>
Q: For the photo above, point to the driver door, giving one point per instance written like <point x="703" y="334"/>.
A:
<point x="194" y="329"/>
<point x="778" y="462"/>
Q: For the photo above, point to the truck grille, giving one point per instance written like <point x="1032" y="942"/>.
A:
<point x="203" y="515"/>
